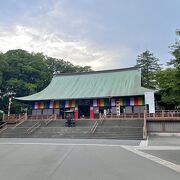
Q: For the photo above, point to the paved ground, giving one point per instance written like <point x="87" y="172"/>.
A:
<point x="164" y="141"/>
<point x="54" y="159"/>
<point x="69" y="141"/>
<point x="169" y="155"/>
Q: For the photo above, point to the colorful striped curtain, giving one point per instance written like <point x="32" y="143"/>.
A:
<point x="100" y="102"/>
<point x="125" y="101"/>
<point x="54" y="105"/>
<point x="139" y="101"/>
<point x="70" y="103"/>
<point x="38" y="105"/>
<point x="130" y="101"/>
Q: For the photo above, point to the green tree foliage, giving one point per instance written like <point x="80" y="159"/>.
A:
<point x="169" y="80"/>
<point x="175" y="51"/>
<point x="61" y="66"/>
<point x="149" y="65"/>
<point x="168" y="90"/>
<point x="3" y="66"/>
<point x="26" y="73"/>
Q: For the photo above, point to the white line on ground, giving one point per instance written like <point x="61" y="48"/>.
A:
<point x="163" y="162"/>
<point x="158" y="148"/>
<point x="62" y="144"/>
<point x="165" y="134"/>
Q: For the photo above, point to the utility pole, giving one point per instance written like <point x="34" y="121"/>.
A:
<point x="10" y="95"/>
<point x="9" y="106"/>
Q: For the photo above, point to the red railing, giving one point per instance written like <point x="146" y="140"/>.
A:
<point x="164" y="115"/>
<point x="41" y="117"/>
<point x="125" y="116"/>
<point x="158" y="115"/>
<point x="14" y="118"/>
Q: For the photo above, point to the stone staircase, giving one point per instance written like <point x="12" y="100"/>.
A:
<point x="108" y="129"/>
<point x="57" y="129"/>
<point x="17" y="132"/>
<point x="120" y="129"/>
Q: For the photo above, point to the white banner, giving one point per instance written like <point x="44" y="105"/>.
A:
<point x="149" y="99"/>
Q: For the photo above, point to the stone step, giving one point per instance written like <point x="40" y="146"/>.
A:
<point x="133" y="123"/>
<point x="113" y="129"/>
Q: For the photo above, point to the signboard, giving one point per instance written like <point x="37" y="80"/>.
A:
<point x="149" y="99"/>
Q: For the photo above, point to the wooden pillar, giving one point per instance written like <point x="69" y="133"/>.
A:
<point x="92" y="113"/>
<point x="76" y="114"/>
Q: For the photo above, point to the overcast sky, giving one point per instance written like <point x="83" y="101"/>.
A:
<point x="104" y="34"/>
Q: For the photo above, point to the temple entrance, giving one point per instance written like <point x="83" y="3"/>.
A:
<point x="84" y="112"/>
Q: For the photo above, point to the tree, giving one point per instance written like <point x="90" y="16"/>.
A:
<point x="149" y="65"/>
<point x="3" y="66"/>
<point x="166" y="80"/>
<point x="169" y="79"/>
<point x="26" y="73"/>
<point x="61" y="66"/>
<point x="175" y="62"/>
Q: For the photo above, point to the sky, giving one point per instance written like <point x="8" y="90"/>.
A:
<point x="103" y="34"/>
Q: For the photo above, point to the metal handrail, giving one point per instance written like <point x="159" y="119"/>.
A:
<point x="33" y="128"/>
<point x="94" y="127"/>
<point x="102" y="118"/>
<point x="20" y="120"/>
<point x="3" y="126"/>
<point x="51" y="118"/>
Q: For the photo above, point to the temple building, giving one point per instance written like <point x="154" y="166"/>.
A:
<point x="90" y="93"/>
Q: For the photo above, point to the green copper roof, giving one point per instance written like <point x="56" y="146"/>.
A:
<point x="96" y="84"/>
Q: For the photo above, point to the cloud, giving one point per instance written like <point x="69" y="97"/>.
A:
<point x="78" y="52"/>
<point x="64" y="32"/>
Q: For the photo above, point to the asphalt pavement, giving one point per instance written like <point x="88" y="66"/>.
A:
<point x="168" y="155"/>
<point x="67" y="159"/>
<point x="164" y="140"/>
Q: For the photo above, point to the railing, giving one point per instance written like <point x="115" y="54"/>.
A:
<point x="40" y="117"/>
<point x="158" y="115"/>
<point x="3" y="127"/>
<point x="164" y="115"/>
<point x="51" y="118"/>
<point x="102" y="118"/>
<point x="15" y="118"/>
<point x="94" y="127"/>
<point x="33" y="128"/>
<point x="21" y="120"/>
<point x="125" y="116"/>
